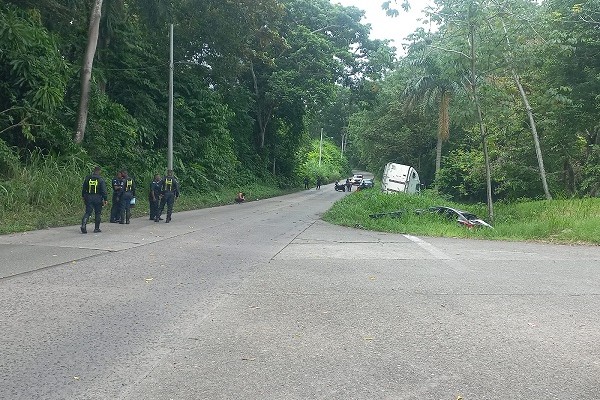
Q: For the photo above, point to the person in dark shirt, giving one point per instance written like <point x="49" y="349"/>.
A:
<point x="115" y="207"/>
<point x="169" y="191"/>
<point x="94" y="195"/>
<point x="126" y="197"/>
<point x="154" y="196"/>
<point x="240" y="198"/>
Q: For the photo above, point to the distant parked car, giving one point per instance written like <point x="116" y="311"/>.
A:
<point x="366" y="184"/>
<point x="463" y="218"/>
<point x="356" y="179"/>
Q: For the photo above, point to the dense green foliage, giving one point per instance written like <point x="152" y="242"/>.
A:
<point x="324" y="160"/>
<point x="549" y="48"/>
<point x="253" y="81"/>
<point x="559" y="221"/>
<point x="499" y="99"/>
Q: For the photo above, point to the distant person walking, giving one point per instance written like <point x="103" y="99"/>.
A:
<point x="94" y="195"/>
<point x="348" y="185"/>
<point x="319" y="180"/>
<point x="154" y="196"/>
<point x="169" y="192"/>
<point x="126" y="197"/>
<point x="306" y="182"/>
<point x="117" y="188"/>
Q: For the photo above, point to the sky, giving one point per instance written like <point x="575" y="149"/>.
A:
<point x="384" y="27"/>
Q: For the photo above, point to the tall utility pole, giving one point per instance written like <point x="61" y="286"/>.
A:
<point x="170" y="133"/>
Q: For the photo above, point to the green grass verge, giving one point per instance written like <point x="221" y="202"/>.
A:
<point x="558" y="221"/>
<point x="66" y="207"/>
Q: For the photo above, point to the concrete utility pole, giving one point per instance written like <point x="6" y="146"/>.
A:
<point x="321" y="147"/>
<point x="170" y="133"/>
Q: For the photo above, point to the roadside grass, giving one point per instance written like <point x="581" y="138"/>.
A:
<point x="43" y="194"/>
<point x="47" y="193"/>
<point x="574" y="221"/>
<point x="68" y="210"/>
<point x="224" y="196"/>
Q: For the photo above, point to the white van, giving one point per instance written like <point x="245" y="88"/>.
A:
<point x="398" y="178"/>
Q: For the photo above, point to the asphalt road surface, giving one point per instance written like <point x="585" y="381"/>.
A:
<point x="264" y="300"/>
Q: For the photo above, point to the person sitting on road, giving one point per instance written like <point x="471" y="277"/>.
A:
<point x="240" y="198"/>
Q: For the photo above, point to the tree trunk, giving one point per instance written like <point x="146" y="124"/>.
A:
<point x="86" y="73"/>
<point x="486" y="157"/>
<point x="536" y="138"/>
<point x="443" y="128"/>
<point x="488" y="173"/>
<point x="438" y="156"/>
<point x="260" y="117"/>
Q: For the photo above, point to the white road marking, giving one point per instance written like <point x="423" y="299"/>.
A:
<point x="431" y="249"/>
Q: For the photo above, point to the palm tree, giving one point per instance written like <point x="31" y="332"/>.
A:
<point x="433" y="88"/>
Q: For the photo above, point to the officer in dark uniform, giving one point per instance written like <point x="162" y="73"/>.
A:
<point x="128" y="193"/>
<point x="170" y="191"/>
<point x="93" y="192"/>
<point x="115" y="208"/>
<point x="154" y="196"/>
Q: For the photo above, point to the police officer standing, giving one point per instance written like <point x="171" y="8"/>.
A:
<point x="128" y="193"/>
<point x="115" y="208"/>
<point x="154" y="196"/>
<point x="93" y="192"/>
<point x="170" y="191"/>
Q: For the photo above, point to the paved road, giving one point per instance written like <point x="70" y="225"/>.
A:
<point x="265" y="301"/>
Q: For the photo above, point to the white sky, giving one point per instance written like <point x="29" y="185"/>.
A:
<point x="384" y="27"/>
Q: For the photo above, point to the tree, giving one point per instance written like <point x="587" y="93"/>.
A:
<point x="433" y="85"/>
<point x="34" y="80"/>
<point x="529" y="111"/>
<point x="86" y="71"/>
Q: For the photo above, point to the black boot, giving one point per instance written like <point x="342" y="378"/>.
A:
<point x="168" y="218"/>
<point x="83" y="225"/>
<point x="97" y="228"/>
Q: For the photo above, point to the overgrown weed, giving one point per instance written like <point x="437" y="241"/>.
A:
<point x="559" y="221"/>
<point x="46" y="192"/>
